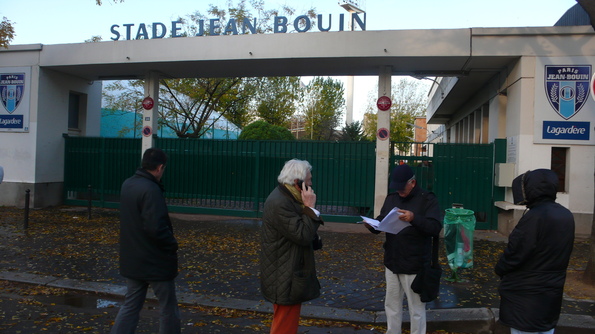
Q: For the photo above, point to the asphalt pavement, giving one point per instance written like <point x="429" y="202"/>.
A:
<point x="63" y="249"/>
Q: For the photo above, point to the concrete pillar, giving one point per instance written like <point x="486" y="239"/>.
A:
<point x="150" y="116"/>
<point x="349" y="101"/>
<point x="497" y="118"/>
<point x="382" y="146"/>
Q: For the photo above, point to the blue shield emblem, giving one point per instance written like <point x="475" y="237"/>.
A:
<point x="12" y="86"/>
<point x="567" y="88"/>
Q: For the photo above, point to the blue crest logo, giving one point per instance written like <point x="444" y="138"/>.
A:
<point x="12" y="86"/>
<point x="567" y="88"/>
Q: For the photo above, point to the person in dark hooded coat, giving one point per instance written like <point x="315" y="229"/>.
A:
<point x="533" y="265"/>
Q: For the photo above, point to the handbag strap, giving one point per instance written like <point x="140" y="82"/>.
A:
<point x="435" y="240"/>
<point x="435" y="247"/>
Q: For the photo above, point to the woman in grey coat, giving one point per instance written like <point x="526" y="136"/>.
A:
<point x="288" y="239"/>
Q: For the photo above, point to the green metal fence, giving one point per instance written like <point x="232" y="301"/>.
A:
<point x="232" y="177"/>
<point x="100" y="164"/>
<point x="224" y="176"/>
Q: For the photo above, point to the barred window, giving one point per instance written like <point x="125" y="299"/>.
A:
<point x="559" y="161"/>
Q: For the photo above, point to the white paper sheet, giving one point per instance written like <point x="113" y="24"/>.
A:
<point x="390" y="224"/>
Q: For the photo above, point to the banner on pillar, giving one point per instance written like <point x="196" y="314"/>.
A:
<point x="563" y="111"/>
<point x="15" y="87"/>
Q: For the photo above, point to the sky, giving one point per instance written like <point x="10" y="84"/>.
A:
<point x="74" y="21"/>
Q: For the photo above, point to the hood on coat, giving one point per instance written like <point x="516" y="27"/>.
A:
<point x="531" y="186"/>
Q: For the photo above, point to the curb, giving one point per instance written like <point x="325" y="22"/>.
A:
<point x="469" y="320"/>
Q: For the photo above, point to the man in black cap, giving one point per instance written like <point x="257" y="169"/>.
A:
<point x="406" y="253"/>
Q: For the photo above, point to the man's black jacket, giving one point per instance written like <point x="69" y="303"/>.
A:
<point x="148" y="248"/>
<point x="408" y="251"/>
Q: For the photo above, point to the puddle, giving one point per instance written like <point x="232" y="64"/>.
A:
<point x="105" y="303"/>
<point x="82" y="301"/>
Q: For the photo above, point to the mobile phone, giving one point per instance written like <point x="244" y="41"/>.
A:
<point x="300" y="182"/>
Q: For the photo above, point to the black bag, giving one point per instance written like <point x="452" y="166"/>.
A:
<point x="317" y="242"/>
<point x="427" y="282"/>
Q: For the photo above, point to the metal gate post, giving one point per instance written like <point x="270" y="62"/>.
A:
<point x="382" y="146"/>
<point x="256" y="191"/>
<point x="151" y="114"/>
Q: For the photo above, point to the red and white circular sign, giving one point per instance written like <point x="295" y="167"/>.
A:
<point x="148" y="103"/>
<point x="592" y="86"/>
<point x="384" y="103"/>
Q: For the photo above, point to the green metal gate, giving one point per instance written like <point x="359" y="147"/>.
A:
<point x="461" y="174"/>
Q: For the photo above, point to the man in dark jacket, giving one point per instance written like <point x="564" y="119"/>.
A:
<point x="406" y="253"/>
<point x="288" y="240"/>
<point x="148" y="248"/>
<point x="533" y="265"/>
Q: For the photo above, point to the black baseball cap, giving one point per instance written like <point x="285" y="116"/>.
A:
<point x="399" y="177"/>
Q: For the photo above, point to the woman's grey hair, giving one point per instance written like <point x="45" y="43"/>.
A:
<point x="294" y="169"/>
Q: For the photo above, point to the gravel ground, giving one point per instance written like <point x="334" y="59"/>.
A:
<point x="219" y="256"/>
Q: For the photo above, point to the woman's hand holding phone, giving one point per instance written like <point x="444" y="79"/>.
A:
<point x="308" y="195"/>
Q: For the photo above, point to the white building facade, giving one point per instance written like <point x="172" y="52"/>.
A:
<point x="541" y="103"/>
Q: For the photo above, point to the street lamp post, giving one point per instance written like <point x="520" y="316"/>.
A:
<point x="435" y="81"/>
<point x="351" y="6"/>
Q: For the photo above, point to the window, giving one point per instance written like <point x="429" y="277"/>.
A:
<point x="74" y="104"/>
<point x="485" y="124"/>
<point x="559" y="162"/>
<point x="77" y="115"/>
